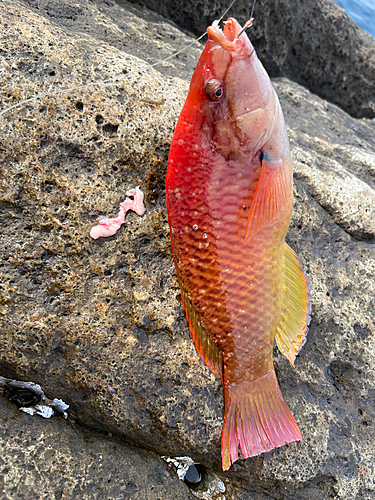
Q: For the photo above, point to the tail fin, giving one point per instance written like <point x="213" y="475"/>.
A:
<point x="256" y="418"/>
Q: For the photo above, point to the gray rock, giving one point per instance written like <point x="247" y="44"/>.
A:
<point x="99" y="324"/>
<point x="53" y="459"/>
<point x="314" y="43"/>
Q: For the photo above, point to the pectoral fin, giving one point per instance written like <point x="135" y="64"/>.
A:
<point x="270" y="196"/>
<point x="295" y="315"/>
<point x="204" y="344"/>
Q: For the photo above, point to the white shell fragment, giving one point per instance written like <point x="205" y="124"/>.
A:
<point x="58" y="404"/>
<point x="44" y="411"/>
<point x="213" y="487"/>
<point x="30" y="411"/>
<point x="28" y="385"/>
<point x="182" y="465"/>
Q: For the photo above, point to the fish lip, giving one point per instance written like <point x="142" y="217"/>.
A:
<point x="216" y="34"/>
<point x="227" y="38"/>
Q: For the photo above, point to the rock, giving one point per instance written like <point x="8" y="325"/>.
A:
<point x="99" y="324"/>
<point x="50" y="459"/>
<point x="332" y="387"/>
<point x="93" y="318"/>
<point x="313" y="43"/>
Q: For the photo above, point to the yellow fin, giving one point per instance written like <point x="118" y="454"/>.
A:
<point x="204" y="344"/>
<point x="295" y="315"/>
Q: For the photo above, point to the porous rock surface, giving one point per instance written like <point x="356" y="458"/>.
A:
<point x="100" y="325"/>
<point x="57" y="459"/>
<point x="312" y="42"/>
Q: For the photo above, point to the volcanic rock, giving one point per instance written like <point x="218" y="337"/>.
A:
<point x="312" y="42"/>
<point x="99" y="324"/>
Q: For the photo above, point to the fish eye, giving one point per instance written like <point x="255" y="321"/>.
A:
<point x="215" y="90"/>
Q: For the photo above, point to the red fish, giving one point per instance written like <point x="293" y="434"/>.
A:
<point x="229" y="200"/>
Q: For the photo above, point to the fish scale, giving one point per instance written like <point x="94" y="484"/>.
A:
<point x="237" y="290"/>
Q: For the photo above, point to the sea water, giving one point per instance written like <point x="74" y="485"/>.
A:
<point x="362" y="12"/>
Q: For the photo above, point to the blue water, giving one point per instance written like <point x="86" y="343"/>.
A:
<point x="362" y="12"/>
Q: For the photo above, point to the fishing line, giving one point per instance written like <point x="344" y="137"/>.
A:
<point x="228" y="9"/>
<point x="108" y="80"/>
<point x="91" y="84"/>
<point x="248" y="23"/>
<point x="252" y="10"/>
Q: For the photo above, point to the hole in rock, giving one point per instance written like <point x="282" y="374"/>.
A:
<point x="99" y="119"/>
<point x="22" y="396"/>
<point x="194" y="475"/>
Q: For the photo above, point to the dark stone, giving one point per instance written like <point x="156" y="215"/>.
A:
<point x="194" y="475"/>
<point x="312" y="42"/>
<point x="23" y="394"/>
<point x="58" y="459"/>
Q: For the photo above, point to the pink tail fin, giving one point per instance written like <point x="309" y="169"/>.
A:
<point x="256" y="418"/>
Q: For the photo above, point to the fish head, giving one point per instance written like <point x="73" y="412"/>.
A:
<point x="231" y="93"/>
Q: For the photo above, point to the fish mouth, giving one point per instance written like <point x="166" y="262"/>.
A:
<point x="227" y="38"/>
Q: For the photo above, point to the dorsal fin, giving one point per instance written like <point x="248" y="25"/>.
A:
<point x="204" y="344"/>
<point x="295" y="314"/>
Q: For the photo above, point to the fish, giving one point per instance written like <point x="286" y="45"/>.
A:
<point x="229" y="194"/>
<point x="229" y="198"/>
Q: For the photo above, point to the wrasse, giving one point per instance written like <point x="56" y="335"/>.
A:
<point x="229" y="201"/>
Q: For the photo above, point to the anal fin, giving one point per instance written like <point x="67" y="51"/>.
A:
<point x="295" y="314"/>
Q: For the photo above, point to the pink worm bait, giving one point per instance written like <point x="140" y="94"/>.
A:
<point x="108" y="227"/>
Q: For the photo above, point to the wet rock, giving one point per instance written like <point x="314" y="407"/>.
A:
<point x="314" y="43"/>
<point x="99" y="324"/>
<point x="55" y="459"/>
<point x="23" y="394"/>
<point x="30" y="398"/>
